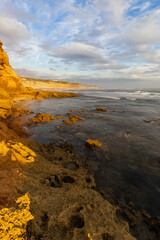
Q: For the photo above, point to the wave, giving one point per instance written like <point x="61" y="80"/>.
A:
<point x="120" y="94"/>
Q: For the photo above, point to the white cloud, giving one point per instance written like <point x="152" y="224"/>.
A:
<point x="80" y="52"/>
<point x="115" y="9"/>
<point x="112" y="38"/>
<point x="145" y="31"/>
<point x="18" y="10"/>
<point x="84" y="55"/>
<point x="14" y="35"/>
<point x="12" y="29"/>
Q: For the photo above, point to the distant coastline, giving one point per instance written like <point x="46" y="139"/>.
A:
<point x="50" y="84"/>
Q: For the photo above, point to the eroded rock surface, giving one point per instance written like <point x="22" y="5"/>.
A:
<point x="13" y="221"/>
<point x="17" y="152"/>
<point x="72" y="209"/>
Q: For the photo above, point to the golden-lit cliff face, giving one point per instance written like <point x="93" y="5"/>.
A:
<point x="9" y="83"/>
<point x="9" y="79"/>
<point x="11" y="87"/>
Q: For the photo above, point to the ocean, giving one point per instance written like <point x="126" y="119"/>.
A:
<point x="127" y="166"/>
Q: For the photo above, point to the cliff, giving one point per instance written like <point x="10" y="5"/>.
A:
<point x="10" y="83"/>
<point x="50" y="84"/>
<point x="12" y="88"/>
<point x="9" y="79"/>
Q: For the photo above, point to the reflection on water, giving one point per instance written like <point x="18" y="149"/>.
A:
<point x="127" y="166"/>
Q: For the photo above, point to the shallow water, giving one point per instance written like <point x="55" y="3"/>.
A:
<point x="127" y="166"/>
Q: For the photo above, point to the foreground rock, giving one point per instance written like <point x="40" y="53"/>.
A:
<point x="19" y="215"/>
<point x="72" y="209"/>
<point x="17" y="152"/>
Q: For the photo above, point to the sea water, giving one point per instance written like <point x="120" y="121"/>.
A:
<point x="127" y="166"/>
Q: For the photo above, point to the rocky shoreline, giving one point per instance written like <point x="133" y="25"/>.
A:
<point x="62" y="194"/>
<point x="46" y="192"/>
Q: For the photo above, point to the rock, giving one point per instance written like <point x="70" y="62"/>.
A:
<point x="3" y="148"/>
<point x="101" y="109"/>
<point x="72" y="119"/>
<point x="9" y="79"/>
<point x="18" y="152"/>
<point x="93" y="143"/>
<point x="17" y="111"/>
<point x="84" y="111"/>
<point x="72" y="111"/>
<point x="13" y="221"/>
<point x="43" y="117"/>
<point x="5" y="103"/>
<point x="9" y="83"/>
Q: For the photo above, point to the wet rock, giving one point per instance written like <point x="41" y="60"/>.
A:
<point x="101" y="109"/>
<point x="83" y="111"/>
<point x="93" y="143"/>
<point x="72" y="111"/>
<point x="17" y="111"/>
<point x="73" y="119"/>
<point x="43" y="117"/>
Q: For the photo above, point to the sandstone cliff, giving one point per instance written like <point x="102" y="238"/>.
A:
<point x="50" y="84"/>
<point x="9" y="83"/>
<point x="9" y="79"/>
<point x="11" y="87"/>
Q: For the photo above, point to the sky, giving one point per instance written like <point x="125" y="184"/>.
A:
<point x="89" y="41"/>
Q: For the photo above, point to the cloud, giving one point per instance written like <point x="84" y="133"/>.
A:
<point x="115" y="9"/>
<point x="14" y="34"/>
<point x="146" y="30"/>
<point x="102" y="38"/>
<point x="81" y="53"/>
<point x="30" y="73"/>
<point x="18" y="10"/>
<point x="12" y="29"/>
